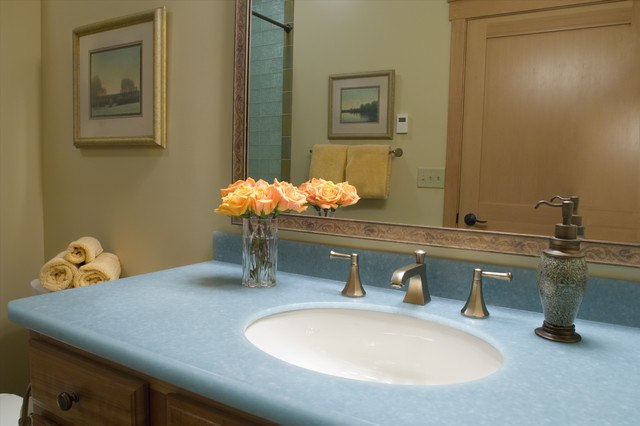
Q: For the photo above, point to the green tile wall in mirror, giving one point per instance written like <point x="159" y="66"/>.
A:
<point x="422" y="41"/>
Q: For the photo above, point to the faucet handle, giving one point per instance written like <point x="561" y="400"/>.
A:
<point x="420" y="254"/>
<point x="475" y="307"/>
<point x="353" y="286"/>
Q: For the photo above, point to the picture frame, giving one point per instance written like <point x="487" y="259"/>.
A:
<point x="361" y="105"/>
<point x="119" y="81"/>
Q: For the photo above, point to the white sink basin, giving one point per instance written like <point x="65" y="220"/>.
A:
<point x="374" y="346"/>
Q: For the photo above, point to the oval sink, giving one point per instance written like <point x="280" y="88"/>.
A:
<point x="374" y="346"/>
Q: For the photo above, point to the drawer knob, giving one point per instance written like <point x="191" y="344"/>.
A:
<point x="66" y="400"/>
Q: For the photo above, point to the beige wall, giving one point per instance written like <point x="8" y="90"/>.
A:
<point x="351" y="36"/>
<point x="152" y="207"/>
<point x="21" y="234"/>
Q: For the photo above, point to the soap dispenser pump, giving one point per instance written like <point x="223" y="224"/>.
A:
<point x="576" y="219"/>
<point x="561" y="279"/>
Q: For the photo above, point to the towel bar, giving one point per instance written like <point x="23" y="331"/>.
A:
<point x="395" y="152"/>
<point x="286" y="27"/>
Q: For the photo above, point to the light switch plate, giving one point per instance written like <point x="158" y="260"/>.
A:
<point x="430" y="178"/>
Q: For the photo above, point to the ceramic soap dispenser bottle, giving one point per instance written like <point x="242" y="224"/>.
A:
<point x="562" y="278"/>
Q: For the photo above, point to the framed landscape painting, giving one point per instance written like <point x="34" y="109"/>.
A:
<point x="361" y="105"/>
<point x="119" y="81"/>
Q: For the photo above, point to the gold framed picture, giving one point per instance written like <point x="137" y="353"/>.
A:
<point x="119" y="81"/>
<point x="361" y="105"/>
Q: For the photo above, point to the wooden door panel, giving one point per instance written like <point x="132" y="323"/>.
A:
<point x="551" y="110"/>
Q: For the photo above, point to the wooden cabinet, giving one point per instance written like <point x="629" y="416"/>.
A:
<point x="72" y="387"/>
<point x="182" y="411"/>
<point x="68" y="388"/>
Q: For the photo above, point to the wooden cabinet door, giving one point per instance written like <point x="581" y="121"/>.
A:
<point x="38" y="420"/>
<point x="552" y="107"/>
<point x="108" y="395"/>
<point x="182" y="411"/>
<point x="104" y="396"/>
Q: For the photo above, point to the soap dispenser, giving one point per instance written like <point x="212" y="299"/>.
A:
<point x="561" y="279"/>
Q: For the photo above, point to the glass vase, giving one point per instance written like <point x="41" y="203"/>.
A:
<point x="325" y="212"/>
<point x="259" y="251"/>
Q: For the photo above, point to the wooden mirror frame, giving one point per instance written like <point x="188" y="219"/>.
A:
<point x="497" y="242"/>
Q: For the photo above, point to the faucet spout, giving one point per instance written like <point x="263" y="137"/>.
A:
<point x="416" y="274"/>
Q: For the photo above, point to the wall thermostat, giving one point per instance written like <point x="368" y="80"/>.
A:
<point x="402" y="123"/>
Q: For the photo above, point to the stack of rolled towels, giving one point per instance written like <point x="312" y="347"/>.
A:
<point x="83" y="263"/>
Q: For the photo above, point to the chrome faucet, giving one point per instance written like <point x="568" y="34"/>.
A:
<point x="353" y="286"/>
<point x="417" y="290"/>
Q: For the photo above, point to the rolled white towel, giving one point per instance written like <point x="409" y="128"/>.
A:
<point x="83" y="250"/>
<point x="106" y="267"/>
<point x="58" y="273"/>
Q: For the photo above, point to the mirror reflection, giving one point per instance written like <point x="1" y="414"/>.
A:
<point x="289" y="93"/>
<point x="413" y="39"/>
<point x="382" y="219"/>
<point x="270" y="76"/>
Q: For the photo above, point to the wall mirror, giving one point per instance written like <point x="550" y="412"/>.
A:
<point x="373" y="220"/>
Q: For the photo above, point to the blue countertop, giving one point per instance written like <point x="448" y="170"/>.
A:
<point x="186" y="326"/>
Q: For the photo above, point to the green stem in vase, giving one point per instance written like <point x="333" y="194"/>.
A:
<point x="260" y="252"/>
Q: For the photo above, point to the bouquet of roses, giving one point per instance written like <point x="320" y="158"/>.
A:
<point x="259" y="203"/>
<point x="246" y="198"/>
<point x="326" y="196"/>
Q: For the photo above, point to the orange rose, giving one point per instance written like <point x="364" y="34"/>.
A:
<point x="322" y="193"/>
<point x="237" y="184"/>
<point x="325" y="194"/>
<point x="329" y="195"/>
<point x="307" y="189"/>
<point x="265" y="199"/>
<point x="261" y="183"/>
<point x="349" y="194"/>
<point x="291" y="198"/>
<point x="248" y="197"/>
<point x="310" y="188"/>
<point x="236" y="203"/>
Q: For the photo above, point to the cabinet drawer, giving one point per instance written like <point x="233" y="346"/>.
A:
<point x="104" y="396"/>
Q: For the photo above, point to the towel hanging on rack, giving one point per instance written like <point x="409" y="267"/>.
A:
<point x="395" y="152"/>
<point x="369" y="170"/>
<point x="328" y="162"/>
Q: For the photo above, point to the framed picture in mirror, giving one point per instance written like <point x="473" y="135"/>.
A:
<point x="119" y="81"/>
<point x="361" y="105"/>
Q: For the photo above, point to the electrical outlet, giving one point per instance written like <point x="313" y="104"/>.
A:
<point x="430" y="178"/>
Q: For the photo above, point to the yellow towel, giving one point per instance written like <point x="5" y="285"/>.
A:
<point x="328" y="162"/>
<point x="106" y="267"/>
<point x="58" y="273"/>
<point x="83" y="250"/>
<point x="369" y="170"/>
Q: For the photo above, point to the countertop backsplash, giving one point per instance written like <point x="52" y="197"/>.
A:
<point x="606" y="300"/>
